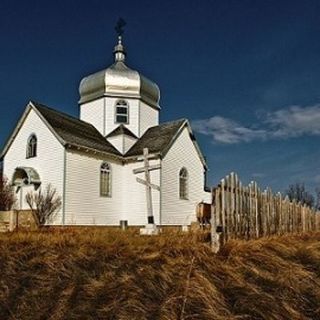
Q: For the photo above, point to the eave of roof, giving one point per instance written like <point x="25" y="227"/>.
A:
<point x="121" y="129"/>
<point x="68" y="130"/>
<point x="159" y="139"/>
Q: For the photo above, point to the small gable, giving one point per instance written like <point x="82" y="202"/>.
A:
<point x="157" y="138"/>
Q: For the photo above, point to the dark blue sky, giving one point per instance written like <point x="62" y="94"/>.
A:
<point x="246" y="73"/>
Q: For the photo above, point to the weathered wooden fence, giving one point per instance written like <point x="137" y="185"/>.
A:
<point x="246" y="212"/>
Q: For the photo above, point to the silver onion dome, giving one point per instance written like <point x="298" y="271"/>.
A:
<point x="119" y="81"/>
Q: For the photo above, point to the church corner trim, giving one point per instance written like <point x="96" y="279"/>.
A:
<point x="64" y="186"/>
<point x="161" y="193"/>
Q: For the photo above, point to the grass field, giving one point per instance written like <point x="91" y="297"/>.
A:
<point x="99" y="274"/>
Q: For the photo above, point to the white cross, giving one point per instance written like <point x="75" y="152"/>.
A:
<point x="147" y="182"/>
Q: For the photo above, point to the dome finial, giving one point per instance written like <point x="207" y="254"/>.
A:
<point x="119" y="50"/>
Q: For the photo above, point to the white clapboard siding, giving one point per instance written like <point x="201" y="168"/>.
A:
<point x="183" y="153"/>
<point x="117" y="142"/>
<point x="48" y="162"/>
<point x="149" y="117"/>
<point x="94" y="112"/>
<point x="122" y="142"/>
<point x="128" y="142"/>
<point x="134" y="195"/>
<point x="102" y="114"/>
<point x="84" y="205"/>
<point x="111" y="124"/>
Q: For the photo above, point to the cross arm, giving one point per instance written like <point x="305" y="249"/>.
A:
<point x="153" y="186"/>
<point x="149" y="168"/>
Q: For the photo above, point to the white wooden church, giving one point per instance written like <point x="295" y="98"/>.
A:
<point x="93" y="162"/>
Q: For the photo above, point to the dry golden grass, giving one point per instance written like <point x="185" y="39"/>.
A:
<point x="99" y="274"/>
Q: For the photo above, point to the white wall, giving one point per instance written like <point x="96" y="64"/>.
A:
<point x="84" y="205"/>
<point x="101" y="113"/>
<point x="94" y="113"/>
<point x="122" y="142"/>
<point x="133" y="124"/>
<point x="149" y="117"/>
<point x="175" y="211"/>
<point x="128" y="142"/>
<point x="134" y="195"/>
<point x="48" y="163"/>
<point x="117" y="142"/>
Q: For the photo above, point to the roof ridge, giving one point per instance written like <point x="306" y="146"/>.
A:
<point x="157" y="138"/>
<point x="168" y="122"/>
<point x="82" y="133"/>
<point x="61" y="113"/>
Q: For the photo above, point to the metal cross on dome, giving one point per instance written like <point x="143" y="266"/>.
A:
<point x="119" y="26"/>
<point x="147" y="182"/>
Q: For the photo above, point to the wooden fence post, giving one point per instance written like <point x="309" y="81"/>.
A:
<point x="223" y="212"/>
<point x="215" y="220"/>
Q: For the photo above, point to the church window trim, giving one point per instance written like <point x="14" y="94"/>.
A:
<point x="121" y="112"/>
<point x="183" y="184"/>
<point x="105" y="180"/>
<point x="32" y="145"/>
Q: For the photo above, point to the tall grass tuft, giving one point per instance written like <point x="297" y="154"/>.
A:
<point x="110" y="274"/>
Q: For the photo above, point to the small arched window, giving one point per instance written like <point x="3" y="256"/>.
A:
<point x="183" y="184"/>
<point x="122" y="112"/>
<point x="32" y="146"/>
<point x="105" y="180"/>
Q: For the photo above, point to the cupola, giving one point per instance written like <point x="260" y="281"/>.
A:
<point x="119" y="95"/>
<point x="119" y="80"/>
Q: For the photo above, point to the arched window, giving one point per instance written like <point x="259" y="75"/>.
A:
<point x="32" y="146"/>
<point x="105" y="180"/>
<point x="122" y="112"/>
<point x="183" y="184"/>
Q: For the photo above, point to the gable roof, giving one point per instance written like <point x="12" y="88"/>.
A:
<point x="68" y="130"/>
<point x="159" y="139"/>
<point x="121" y="130"/>
<point x="75" y="131"/>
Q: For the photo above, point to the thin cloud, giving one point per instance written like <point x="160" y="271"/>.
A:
<point x="224" y="130"/>
<point x="294" y="121"/>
